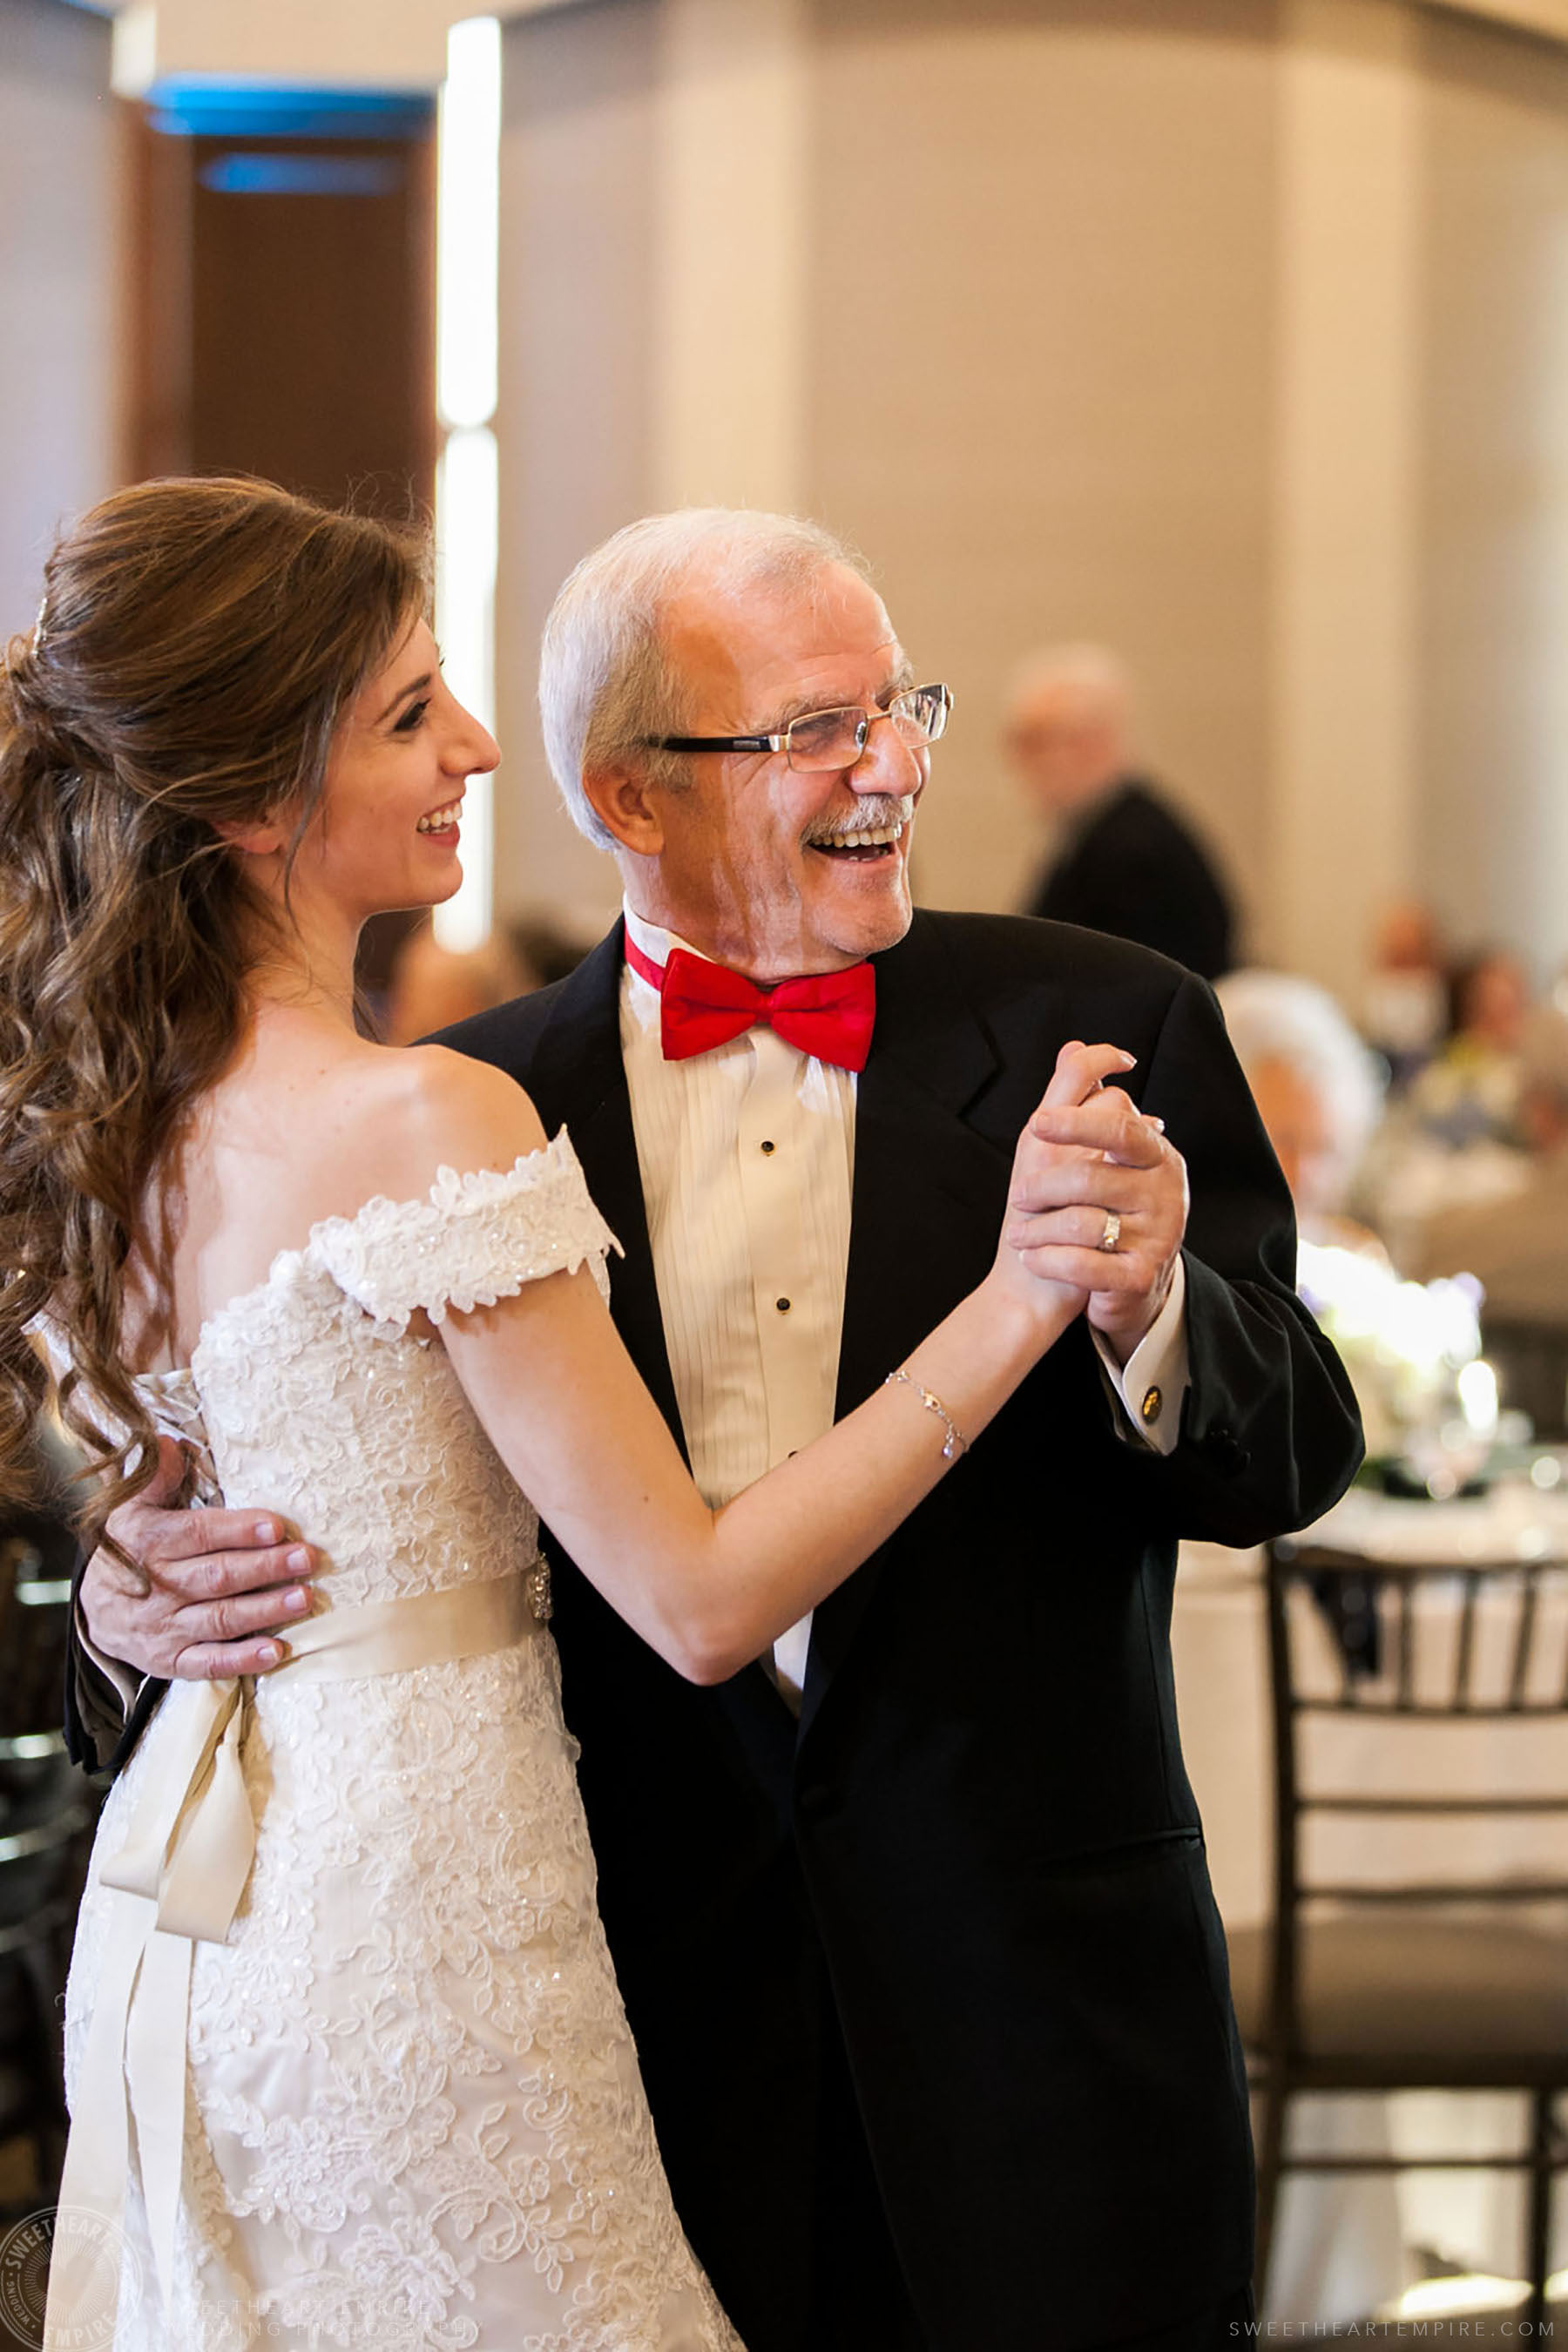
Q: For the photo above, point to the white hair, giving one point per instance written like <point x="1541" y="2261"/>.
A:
<point x="1277" y="1016"/>
<point x="606" y="682"/>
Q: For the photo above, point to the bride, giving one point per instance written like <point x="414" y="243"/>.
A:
<point x="346" y="2059"/>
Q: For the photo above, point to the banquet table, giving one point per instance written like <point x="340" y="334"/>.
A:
<point x="1344" y="2244"/>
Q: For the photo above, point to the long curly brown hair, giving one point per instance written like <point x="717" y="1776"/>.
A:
<point x="196" y="646"/>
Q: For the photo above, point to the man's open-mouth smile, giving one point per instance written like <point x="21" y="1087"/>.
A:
<point x="867" y="844"/>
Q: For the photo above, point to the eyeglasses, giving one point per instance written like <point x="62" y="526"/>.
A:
<point x="832" y="739"/>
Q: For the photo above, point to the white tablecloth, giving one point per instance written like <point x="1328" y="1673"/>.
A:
<point x="1341" y="2243"/>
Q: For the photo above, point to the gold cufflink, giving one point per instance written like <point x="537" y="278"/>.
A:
<point x="1150" y="1408"/>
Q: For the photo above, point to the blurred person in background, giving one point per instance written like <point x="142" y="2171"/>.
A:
<point x="1404" y="1005"/>
<point x="1517" y="1246"/>
<point x="1453" y="1137"/>
<point x="1471" y="1090"/>
<point x="433" y="986"/>
<point x="1125" y="862"/>
<point x="1319" y="1093"/>
<point x="548" y="948"/>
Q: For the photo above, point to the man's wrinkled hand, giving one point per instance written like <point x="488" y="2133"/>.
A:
<point x="1103" y="1167"/>
<point x="221" y="1586"/>
<point x="1079" y="1074"/>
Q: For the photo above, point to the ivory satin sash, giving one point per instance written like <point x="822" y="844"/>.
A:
<point x="181" y="1873"/>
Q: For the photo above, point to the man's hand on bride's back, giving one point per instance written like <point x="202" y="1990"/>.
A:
<point x="221" y="1590"/>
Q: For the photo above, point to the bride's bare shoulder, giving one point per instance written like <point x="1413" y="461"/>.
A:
<point x="430" y="1106"/>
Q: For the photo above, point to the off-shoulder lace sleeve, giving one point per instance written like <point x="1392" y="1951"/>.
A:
<point x="476" y="1239"/>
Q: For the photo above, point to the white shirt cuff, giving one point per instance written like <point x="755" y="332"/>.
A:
<point x="1151" y="1385"/>
<point x="120" y="1677"/>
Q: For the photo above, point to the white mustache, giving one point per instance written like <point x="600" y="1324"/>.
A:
<point x="867" y="816"/>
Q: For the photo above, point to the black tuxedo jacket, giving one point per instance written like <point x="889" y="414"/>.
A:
<point x="973" y="1870"/>
<point x="1133" y="867"/>
<point x="976" y="1857"/>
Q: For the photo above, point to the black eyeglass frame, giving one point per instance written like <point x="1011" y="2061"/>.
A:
<point x="808" y="717"/>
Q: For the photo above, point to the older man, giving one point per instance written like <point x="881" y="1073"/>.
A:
<point x="1125" y="861"/>
<point x="911" y="1919"/>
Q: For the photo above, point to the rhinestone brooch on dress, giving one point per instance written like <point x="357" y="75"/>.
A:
<point x="537" y="1584"/>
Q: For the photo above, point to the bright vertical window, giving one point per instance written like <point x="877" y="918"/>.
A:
<point x="467" y="501"/>
<point x="465" y="625"/>
<point x="469" y="223"/>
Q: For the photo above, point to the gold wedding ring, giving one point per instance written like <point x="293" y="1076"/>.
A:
<point x="1112" y="1233"/>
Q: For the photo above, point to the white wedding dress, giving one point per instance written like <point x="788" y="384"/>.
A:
<point x="412" y="2116"/>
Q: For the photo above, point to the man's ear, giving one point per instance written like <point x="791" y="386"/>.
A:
<point x="627" y="805"/>
<point x="260" y="837"/>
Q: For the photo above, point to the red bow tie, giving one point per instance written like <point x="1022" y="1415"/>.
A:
<point x="704" y="1004"/>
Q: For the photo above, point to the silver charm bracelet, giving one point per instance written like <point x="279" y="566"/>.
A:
<point x="954" y="1442"/>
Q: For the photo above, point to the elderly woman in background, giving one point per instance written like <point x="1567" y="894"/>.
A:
<point x="1318" y="1088"/>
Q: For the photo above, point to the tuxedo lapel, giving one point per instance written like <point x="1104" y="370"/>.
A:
<point x="579" y="1081"/>
<point x="927" y="1203"/>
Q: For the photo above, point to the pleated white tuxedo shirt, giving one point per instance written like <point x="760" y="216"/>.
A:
<point x="747" y="1157"/>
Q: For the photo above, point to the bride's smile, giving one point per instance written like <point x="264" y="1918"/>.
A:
<point x="386" y="834"/>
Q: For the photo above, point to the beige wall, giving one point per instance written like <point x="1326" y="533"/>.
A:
<point x="1494" y="487"/>
<point x="1235" y="332"/>
<point x="1548" y="17"/>
<point x="344" y="44"/>
<point x="1344" y="787"/>
<point x="1011" y="481"/>
<point x="577" y="357"/>
<point x="1042" y="314"/>
<point x="58" y="139"/>
<point x="387" y="43"/>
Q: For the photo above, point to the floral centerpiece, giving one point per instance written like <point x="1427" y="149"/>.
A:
<point x="1428" y="1400"/>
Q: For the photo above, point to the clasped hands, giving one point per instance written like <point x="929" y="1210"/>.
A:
<point x="1088" y="1164"/>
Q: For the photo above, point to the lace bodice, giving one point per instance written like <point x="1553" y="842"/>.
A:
<point x="415" y="2118"/>
<point x="298" y="1398"/>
